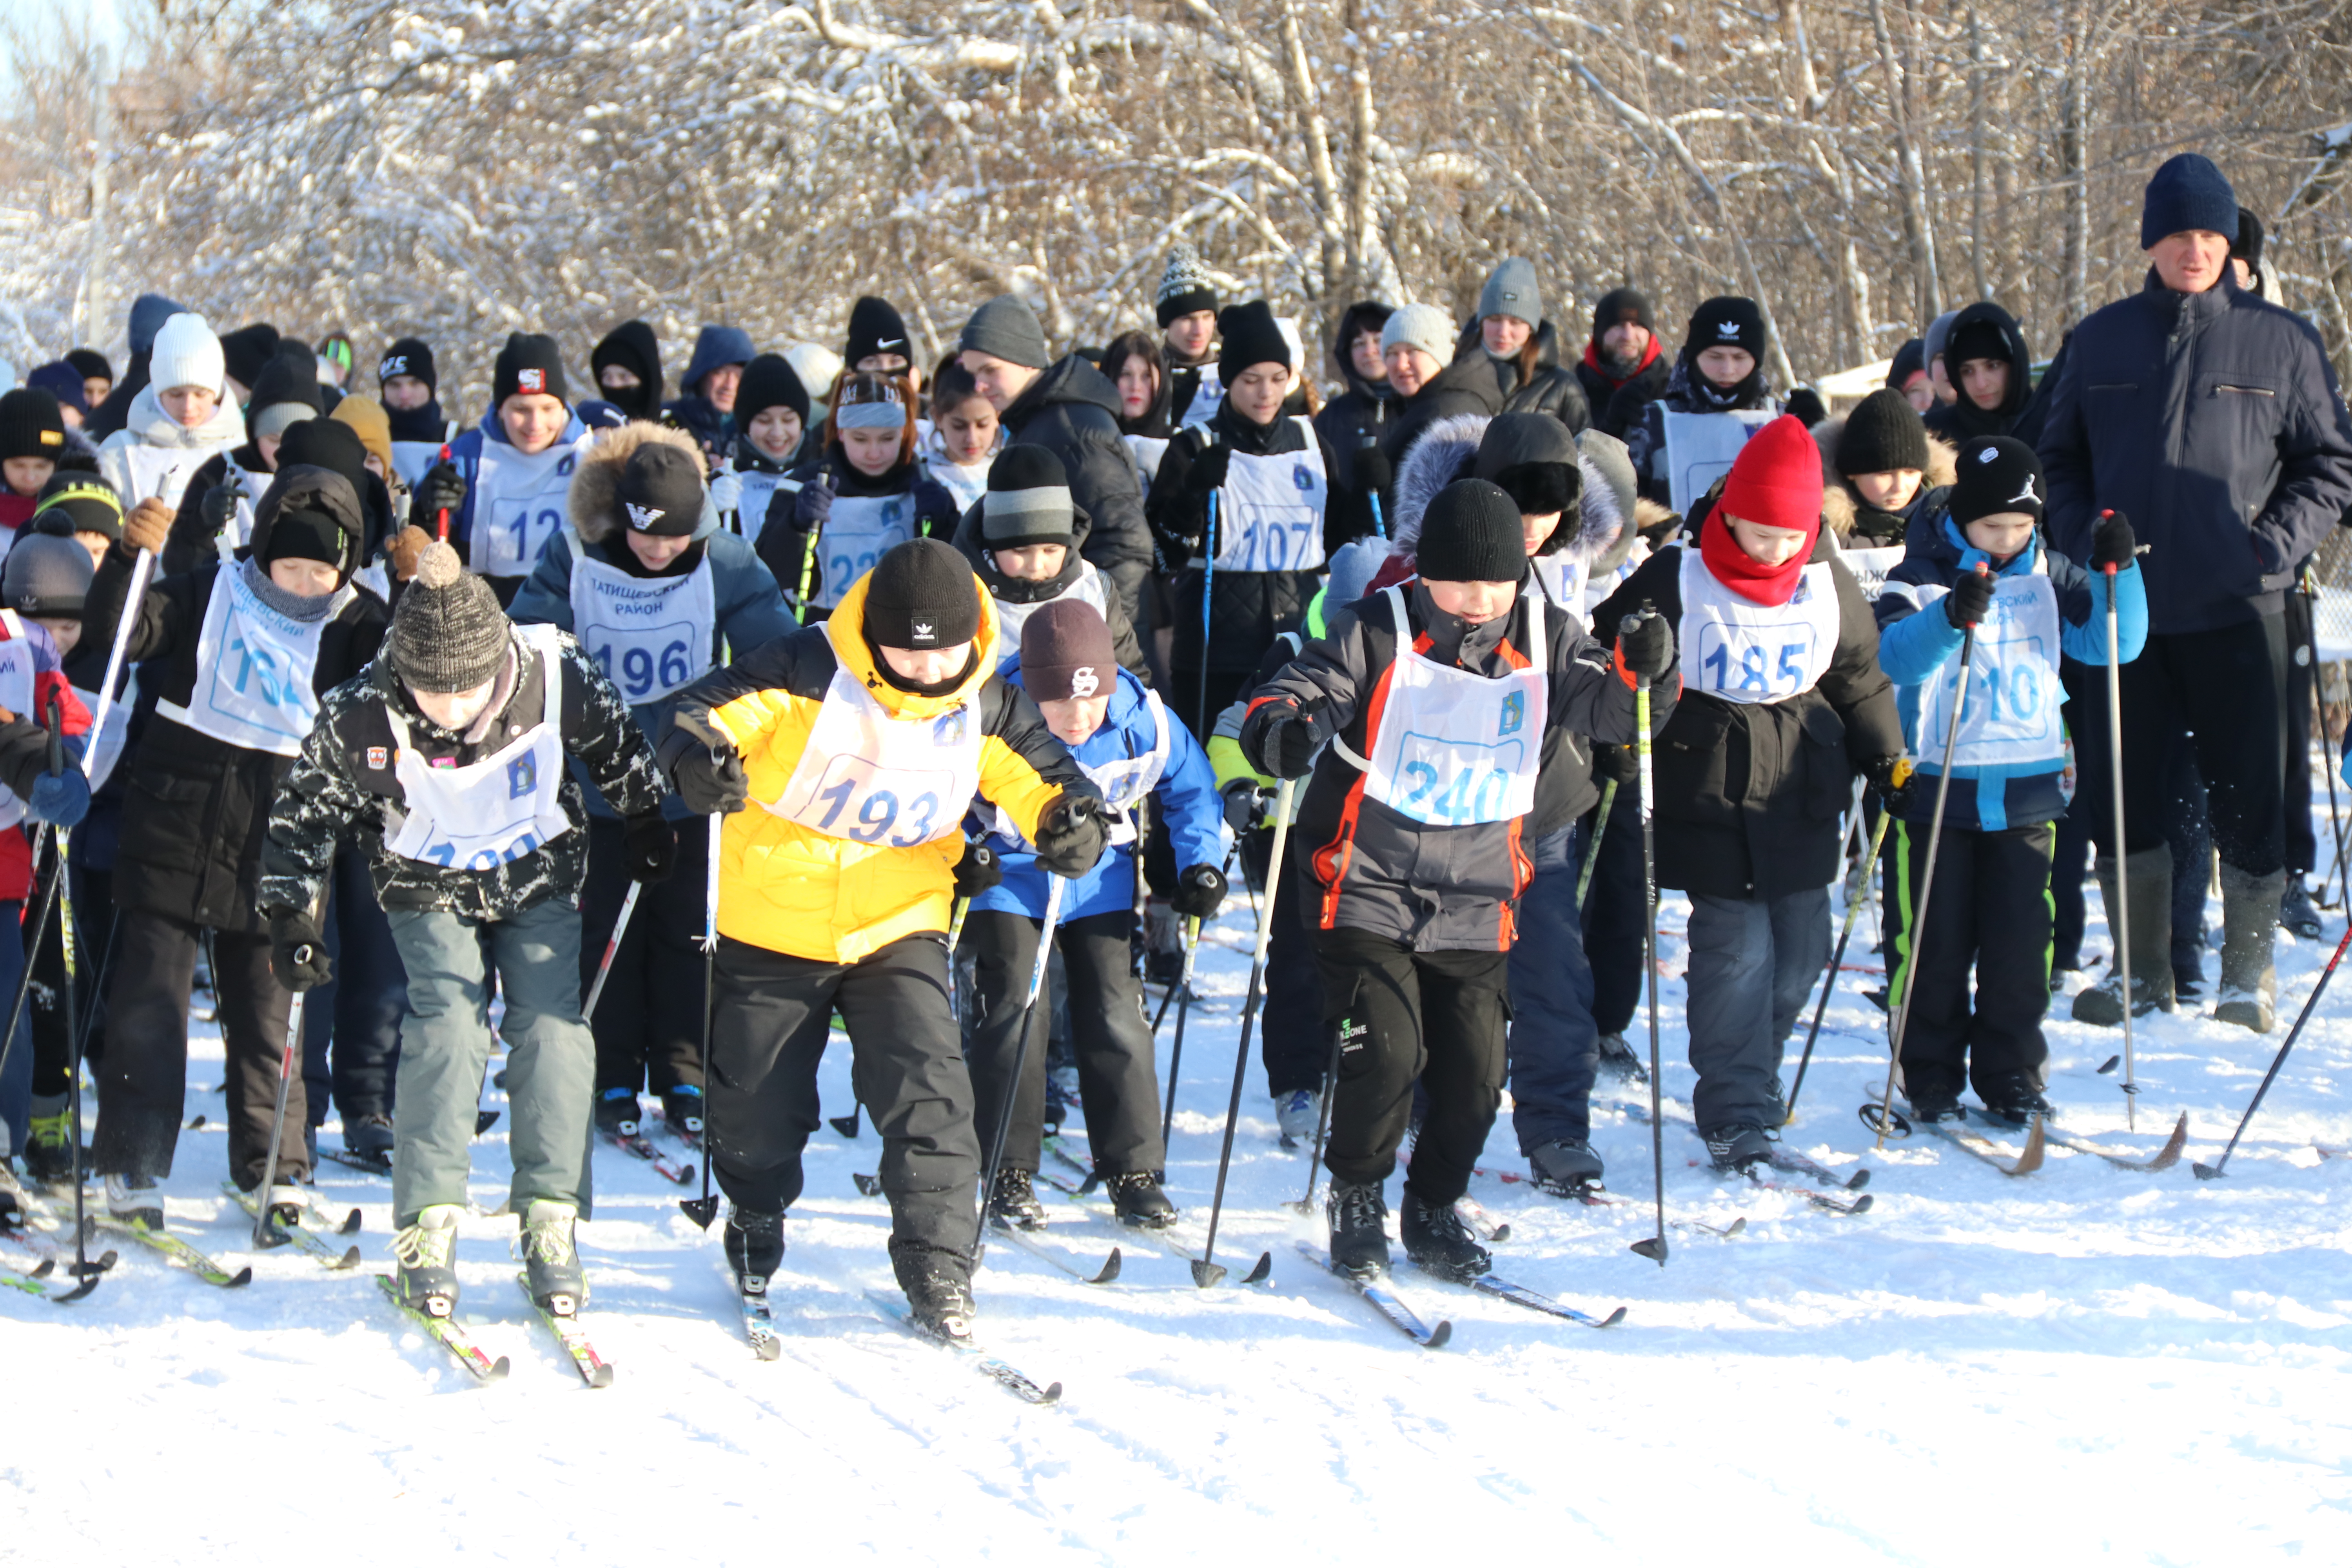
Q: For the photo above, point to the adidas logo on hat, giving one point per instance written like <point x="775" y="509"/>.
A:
<point x="643" y="516"/>
<point x="926" y="632"/>
<point x="1727" y="328"/>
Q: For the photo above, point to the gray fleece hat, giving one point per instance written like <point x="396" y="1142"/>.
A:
<point x="1006" y="328"/>
<point x="448" y="633"/>
<point x="1511" y="290"/>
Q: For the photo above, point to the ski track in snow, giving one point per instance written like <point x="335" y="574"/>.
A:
<point x="2088" y="1364"/>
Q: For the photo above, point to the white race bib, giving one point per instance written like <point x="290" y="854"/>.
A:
<point x="1086" y="588"/>
<point x="1146" y="451"/>
<point x="1701" y="447"/>
<point x="162" y="473"/>
<point x="1270" y="511"/>
<point x="412" y="460"/>
<point x="2012" y="718"/>
<point x="872" y="778"/>
<point x="1871" y="565"/>
<point x="854" y="536"/>
<point x="754" y="490"/>
<point x="106" y="746"/>
<point x="17" y="695"/>
<point x="649" y="634"/>
<point x="1456" y="748"/>
<point x="518" y="502"/>
<point x="480" y="817"/>
<point x="255" y="669"/>
<point x="1741" y="651"/>
<point x="1124" y="780"/>
<point x="1208" y="396"/>
<point x="1564" y="577"/>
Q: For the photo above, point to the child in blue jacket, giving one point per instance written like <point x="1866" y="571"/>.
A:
<point x="1982" y="564"/>
<point x="1125" y="739"/>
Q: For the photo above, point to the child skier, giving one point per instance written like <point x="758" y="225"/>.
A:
<point x="1983" y="566"/>
<point x="1783" y="703"/>
<point x="775" y="409"/>
<point x="653" y="589"/>
<point x="32" y="440"/>
<point x="1459" y="715"/>
<point x="864" y="495"/>
<point x="407" y="387"/>
<point x="504" y="482"/>
<point x="965" y="435"/>
<point x="1715" y="398"/>
<point x="448" y="755"/>
<point x="236" y="655"/>
<point x="1023" y="539"/>
<point x="1124" y="738"/>
<point x="180" y="419"/>
<point x="1881" y="472"/>
<point x="858" y="743"/>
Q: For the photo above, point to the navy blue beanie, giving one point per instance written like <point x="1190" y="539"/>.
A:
<point x="2188" y="192"/>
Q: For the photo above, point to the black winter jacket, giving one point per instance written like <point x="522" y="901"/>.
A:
<point x="1748" y="793"/>
<point x="786" y="547"/>
<point x="2213" y="423"/>
<point x="1072" y="410"/>
<point x="1465" y="386"/>
<point x="1603" y="391"/>
<point x="1960" y="421"/>
<point x="1550" y="389"/>
<point x="1004" y="590"/>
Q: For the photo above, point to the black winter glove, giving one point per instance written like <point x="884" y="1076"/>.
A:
<point x="1970" y="597"/>
<point x="1199" y="892"/>
<point x="1891" y="777"/>
<point x="1646" y="645"/>
<point x="1622" y="764"/>
<point x="442" y="488"/>
<point x="649" y="848"/>
<point x="1245" y="805"/>
<point x="1207" y="471"/>
<point x="1373" y="469"/>
<point x="1288" y="741"/>
<point x="2113" y="544"/>
<point x="219" y="506"/>
<point x="1073" y="832"/>
<point x="979" y="870"/>
<point x="813" y="509"/>
<point x="297" y="954"/>
<point x="710" y="778"/>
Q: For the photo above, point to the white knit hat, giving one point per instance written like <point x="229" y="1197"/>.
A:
<point x="1424" y="327"/>
<point x="186" y="353"/>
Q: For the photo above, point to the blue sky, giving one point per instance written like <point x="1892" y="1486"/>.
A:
<point x="104" y="16"/>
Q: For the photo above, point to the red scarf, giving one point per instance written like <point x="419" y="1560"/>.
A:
<point x="1592" y="362"/>
<point x="1742" y="573"/>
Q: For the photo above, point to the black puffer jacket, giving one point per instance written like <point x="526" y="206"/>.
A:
<point x="195" y="809"/>
<point x="1688" y="392"/>
<point x="1960" y="422"/>
<point x="1071" y="409"/>
<point x="1465" y="386"/>
<point x="1363" y="410"/>
<point x="1748" y="793"/>
<point x="1550" y="387"/>
<point x="1616" y="403"/>
<point x="795" y="558"/>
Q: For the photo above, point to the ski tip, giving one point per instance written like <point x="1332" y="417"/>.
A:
<point x="868" y="1185"/>
<point x="1862" y="1204"/>
<point x="195" y="1122"/>
<point x="351" y="1226"/>
<point x="1052" y="1394"/>
<point x="769" y="1350"/>
<point x="498" y="1373"/>
<point x="350" y="1258"/>
<point x="1858" y="1181"/>
<point x="2111" y="1064"/>
<point x="601" y="1377"/>
<point x="1108" y="1273"/>
<point x="242" y="1276"/>
<point x="701" y="1211"/>
<point x="1738" y="1227"/>
<point x="2205" y="1172"/>
<point x="1205" y="1275"/>
<point x="685" y="1176"/>
<point x="1439" y="1335"/>
<point x="1613" y="1319"/>
<point x="45" y="1267"/>
<point x="1652" y="1248"/>
<point x="1262" y="1272"/>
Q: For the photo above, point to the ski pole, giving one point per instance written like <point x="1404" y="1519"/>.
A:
<point x="1305" y="1204"/>
<point x="1206" y="1270"/>
<point x="1884" y="1108"/>
<point x="142" y="572"/>
<point x="43" y="836"/>
<point x="1183" y="1011"/>
<point x="1054" y="886"/>
<point x="955" y="922"/>
<point x="1370" y="443"/>
<point x="84" y="1270"/>
<point x="1161" y="1016"/>
<point x="441" y="521"/>
<point x="2122" y="911"/>
<point x="612" y="946"/>
<point x="2319" y="717"/>
<point x="1592" y="850"/>
<point x="2206" y="1173"/>
<point x="265" y="1235"/>
<point x="705" y="1209"/>
<point x="1652" y="1248"/>
<point x="1208" y="602"/>
<point x="1854" y="899"/>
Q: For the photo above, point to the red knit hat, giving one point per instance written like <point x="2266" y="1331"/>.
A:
<point x="1776" y="479"/>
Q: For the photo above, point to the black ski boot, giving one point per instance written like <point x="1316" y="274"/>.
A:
<point x="682" y="1109"/>
<point x="1618" y="1057"/>
<point x="426" y="1253"/>
<point x="2011" y="1098"/>
<point x="1735" y="1148"/>
<point x="755" y="1248"/>
<point x="937" y="1284"/>
<point x="1565" y="1168"/>
<point x="1439" y="1242"/>
<point x="48" y="1146"/>
<point x="1933" y="1102"/>
<point x="1138" y="1200"/>
<point x="551" y="1259"/>
<point x="1013" y="1201"/>
<point x="617" y="1113"/>
<point x="370" y="1137"/>
<point x="1359" y="1217"/>
<point x="2295" y="910"/>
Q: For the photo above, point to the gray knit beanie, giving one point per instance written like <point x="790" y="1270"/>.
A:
<point x="1006" y="328"/>
<point x="448" y="633"/>
<point x="1511" y="290"/>
<point x="1424" y="327"/>
<point x="45" y="575"/>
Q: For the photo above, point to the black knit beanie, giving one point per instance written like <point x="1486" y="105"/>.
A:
<point x="531" y="364"/>
<point x="73" y="502"/>
<point x="1470" y="534"/>
<point x="769" y="381"/>
<point x="1249" y="336"/>
<point x="1882" y="433"/>
<point x="1998" y="473"/>
<point x="92" y="363"/>
<point x="922" y="594"/>
<point x="327" y="444"/>
<point x="1727" y="322"/>
<point x="447" y="632"/>
<point x="408" y="356"/>
<point x="660" y="492"/>
<point x="247" y="351"/>
<point x="875" y="328"/>
<point x="301" y="534"/>
<point x="31" y="425"/>
<point x="1620" y="306"/>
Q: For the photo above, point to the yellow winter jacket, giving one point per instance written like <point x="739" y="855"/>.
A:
<point x="792" y="890"/>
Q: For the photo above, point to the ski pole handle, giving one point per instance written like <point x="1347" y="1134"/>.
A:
<point x="55" y="726"/>
<point x="142" y="572"/>
<point x="441" y="523"/>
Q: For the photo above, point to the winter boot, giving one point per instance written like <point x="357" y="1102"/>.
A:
<point x="1136" y="1199"/>
<point x="1014" y="1200"/>
<point x="682" y="1109"/>
<point x="551" y="1258"/>
<point x="48" y="1151"/>
<point x="1163" y="943"/>
<point x="1565" y="1168"/>
<point x="1438" y="1242"/>
<point x="617" y="1113"/>
<point x="370" y="1136"/>
<point x="426" y="1253"/>
<point x="2148" y="877"/>
<point x="755" y="1248"/>
<point x="1931" y="1099"/>
<point x="134" y="1200"/>
<point x="1617" y="1056"/>
<point x="1359" y="1218"/>
<point x="2011" y="1098"/>
<point x="1298" y="1114"/>
<point x="1735" y="1148"/>
<point x="937" y="1284"/>
<point x="2250" y="922"/>
<point x="2296" y="913"/>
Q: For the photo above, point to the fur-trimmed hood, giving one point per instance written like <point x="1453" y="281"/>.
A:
<point x="593" y="501"/>
<point x="1448" y="450"/>
<point x="1839" y="503"/>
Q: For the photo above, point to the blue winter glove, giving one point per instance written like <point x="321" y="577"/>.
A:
<point x="61" y="798"/>
<point x="812" y="508"/>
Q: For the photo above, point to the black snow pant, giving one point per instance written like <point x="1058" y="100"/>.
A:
<point x="1440" y="1018"/>
<point x="1118" y="1086"/>
<point x="2188" y="833"/>
<point x="350" y="1025"/>
<point x="1989" y="910"/>
<point x="143" y="1083"/>
<point x="1293" y="1044"/>
<point x="1614" y="919"/>
<point x="648" y="1021"/>
<point x="2228" y="688"/>
<point x="771" y="1014"/>
<point x="2070" y="862"/>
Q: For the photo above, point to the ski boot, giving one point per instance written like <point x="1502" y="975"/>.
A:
<point x="1298" y="1114"/>
<point x="1564" y="1168"/>
<point x="1358" y="1213"/>
<point x="1136" y="1197"/>
<point x="682" y="1109"/>
<point x="370" y="1137"/>
<point x="937" y="1284"/>
<point x="134" y="1201"/>
<point x="755" y="1248"/>
<point x="1735" y="1148"/>
<point x="1933" y="1102"/>
<point x="617" y="1112"/>
<point x="426" y="1253"/>
<point x="2295" y="910"/>
<point x="1163" y="943"/>
<point x="48" y="1149"/>
<point x="551" y="1258"/>
<point x="2011" y="1098"/>
<point x="1618" y="1057"/>
<point x="1439" y="1242"/>
<point x="286" y="1205"/>
<point x="1014" y="1200"/>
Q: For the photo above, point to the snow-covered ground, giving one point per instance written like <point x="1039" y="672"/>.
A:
<point x="2085" y="1365"/>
